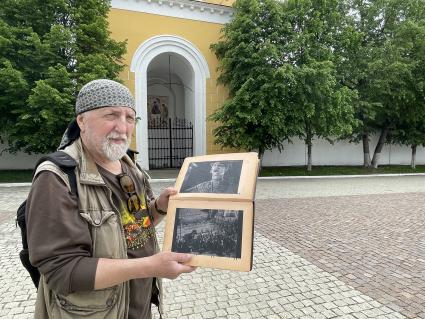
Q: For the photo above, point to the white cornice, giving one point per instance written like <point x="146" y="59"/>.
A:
<point x="184" y="9"/>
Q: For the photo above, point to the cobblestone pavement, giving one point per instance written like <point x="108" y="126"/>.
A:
<point x="326" y="248"/>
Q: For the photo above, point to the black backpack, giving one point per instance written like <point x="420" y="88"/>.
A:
<point x="67" y="164"/>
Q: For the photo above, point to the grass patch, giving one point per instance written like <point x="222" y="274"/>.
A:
<point x="339" y="170"/>
<point x="15" y="176"/>
<point x="25" y="176"/>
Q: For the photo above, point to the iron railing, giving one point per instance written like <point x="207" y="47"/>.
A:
<point x="170" y="142"/>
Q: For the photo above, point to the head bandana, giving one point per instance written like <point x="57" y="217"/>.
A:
<point x="97" y="94"/>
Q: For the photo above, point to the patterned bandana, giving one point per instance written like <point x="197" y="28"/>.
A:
<point x="94" y="95"/>
<point x="101" y="93"/>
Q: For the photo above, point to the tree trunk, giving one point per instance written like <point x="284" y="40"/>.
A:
<point x="379" y="146"/>
<point x="366" y="152"/>
<point x="309" y="163"/>
<point x="260" y="157"/>
<point x="413" y="162"/>
<point x="309" y="147"/>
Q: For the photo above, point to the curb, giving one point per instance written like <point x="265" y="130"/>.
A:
<point x="340" y="176"/>
<point x="168" y="180"/>
<point x="15" y="184"/>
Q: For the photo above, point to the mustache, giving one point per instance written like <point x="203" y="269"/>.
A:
<point x="115" y="135"/>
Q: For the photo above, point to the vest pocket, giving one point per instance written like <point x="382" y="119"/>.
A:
<point x="106" y="233"/>
<point x="85" y="303"/>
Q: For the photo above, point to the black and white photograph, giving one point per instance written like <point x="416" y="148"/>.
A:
<point x="212" y="215"/>
<point x="210" y="232"/>
<point x="219" y="177"/>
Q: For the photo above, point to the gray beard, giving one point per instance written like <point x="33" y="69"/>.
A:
<point x="114" y="152"/>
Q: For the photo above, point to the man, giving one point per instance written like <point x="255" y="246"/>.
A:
<point x="217" y="184"/>
<point x="97" y="251"/>
<point x="164" y="114"/>
<point x="156" y="111"/>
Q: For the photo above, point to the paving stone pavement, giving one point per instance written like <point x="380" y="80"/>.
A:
<point x="326" y="248"/>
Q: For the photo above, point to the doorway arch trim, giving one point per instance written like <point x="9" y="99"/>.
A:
<point x="143" y="56"/>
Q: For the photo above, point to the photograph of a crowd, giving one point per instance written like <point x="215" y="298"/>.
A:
<point x="210" y="232"/>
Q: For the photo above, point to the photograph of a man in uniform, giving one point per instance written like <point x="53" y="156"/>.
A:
<point x="220" y="177"/>
<point x="210" y="232"/>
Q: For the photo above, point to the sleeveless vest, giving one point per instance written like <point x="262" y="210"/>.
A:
<point x="95" y="206"/>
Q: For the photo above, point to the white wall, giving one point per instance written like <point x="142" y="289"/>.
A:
<point x="341" y="153"/>
<point x="18" y="161"/>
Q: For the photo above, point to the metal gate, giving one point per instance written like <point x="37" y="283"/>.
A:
<point x="170" y="142"/>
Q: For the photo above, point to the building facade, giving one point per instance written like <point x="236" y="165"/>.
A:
<point x="170" y="67"/>
<point x="172" y="73"/>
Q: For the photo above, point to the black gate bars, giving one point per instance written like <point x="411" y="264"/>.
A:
<point x="170" y="142"/>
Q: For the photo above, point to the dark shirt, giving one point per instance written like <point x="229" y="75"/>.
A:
<point x="140" y="236"/>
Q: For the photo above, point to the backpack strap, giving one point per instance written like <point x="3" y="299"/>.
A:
<point x="66" y="163"/>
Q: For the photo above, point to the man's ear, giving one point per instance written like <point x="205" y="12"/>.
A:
<point x="81" y="121"/>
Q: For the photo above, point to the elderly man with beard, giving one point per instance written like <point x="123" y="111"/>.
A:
<point x="97" y="250"/>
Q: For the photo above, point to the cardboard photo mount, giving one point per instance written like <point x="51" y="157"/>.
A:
<point x="242" y="201"/>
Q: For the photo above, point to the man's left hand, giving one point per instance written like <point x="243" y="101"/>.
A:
<point x="164" y="197"/>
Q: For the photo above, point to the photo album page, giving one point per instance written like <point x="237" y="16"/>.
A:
<point x="212" y="215"/>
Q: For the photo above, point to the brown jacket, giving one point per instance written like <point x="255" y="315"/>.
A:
<point x="95" y="206"/>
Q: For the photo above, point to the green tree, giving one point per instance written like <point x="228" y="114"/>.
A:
<point x="360" y="49"/>
<point x="395" y="81"/>
<point x="277" y="61"/>
<point x="49" y="49"/>
<point x="375" y="66"/>
<point x="316" y="29"/>
<point x="410" y="41"/>
<point x="257" y="116"/>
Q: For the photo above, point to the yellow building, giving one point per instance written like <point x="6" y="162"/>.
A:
<point x="170" y="68"/>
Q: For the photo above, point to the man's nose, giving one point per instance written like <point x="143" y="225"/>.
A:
<point x="121" y="125"/>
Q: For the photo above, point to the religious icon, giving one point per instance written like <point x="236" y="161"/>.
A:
<point x="158" y="110"/>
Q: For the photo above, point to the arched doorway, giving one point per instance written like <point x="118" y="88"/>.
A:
<point x="174" y="67"/>
<point x="170" y="110"/>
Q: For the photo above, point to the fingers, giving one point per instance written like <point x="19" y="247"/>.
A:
<point x="169" y="191"/>
<point x="187" y="269"/>
<point x="165" y="196"/>
<point x="181" y="258"/>
<point x="175" y="264"/>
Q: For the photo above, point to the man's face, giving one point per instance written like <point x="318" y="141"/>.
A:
<point x="106" y="132"/>
<point x="218" y="170"/>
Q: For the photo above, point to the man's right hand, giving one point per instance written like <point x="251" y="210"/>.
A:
<point x="169" y="265"/>
<point x="111" y="272"/>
